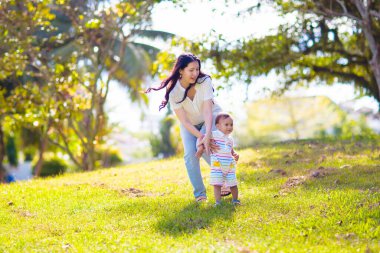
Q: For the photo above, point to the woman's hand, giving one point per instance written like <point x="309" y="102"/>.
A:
<point x="206" y="142"/>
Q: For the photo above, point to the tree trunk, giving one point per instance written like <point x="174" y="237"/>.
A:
<point x="88" y="159"/>
<point x="375" y="61"/>
<point x="42" y="148"/>
<point x="85" y="161"/>
<point x="88" y="153"/>
<point x="374" y="46"/>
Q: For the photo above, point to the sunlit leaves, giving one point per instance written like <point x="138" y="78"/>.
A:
<point x="58" y="58"/>
<point x="125" y="8"/>
<point x="60" y="2"/>
<point x="163" y="64"/>
<point x="93" y="23"/>
<point x="319" y="43"/>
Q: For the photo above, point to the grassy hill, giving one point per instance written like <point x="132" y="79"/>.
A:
<point x="296" y="197"/>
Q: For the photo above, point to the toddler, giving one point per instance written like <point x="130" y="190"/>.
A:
<point x="223" y="164"/>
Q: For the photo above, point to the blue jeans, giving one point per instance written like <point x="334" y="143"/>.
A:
<point x="191" y="161"/>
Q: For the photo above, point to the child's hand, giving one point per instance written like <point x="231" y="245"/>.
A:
<point x="236" y="156"/>
<point x="213" y="146"/>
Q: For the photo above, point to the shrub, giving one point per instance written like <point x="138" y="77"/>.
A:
<point x="29" y="154"/>
<point x="11" y="151"/>
<point x="108" y="157"/>
<point x="52" y="167"/>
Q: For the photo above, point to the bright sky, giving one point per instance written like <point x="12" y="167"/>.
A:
<point x="200" y="19"/>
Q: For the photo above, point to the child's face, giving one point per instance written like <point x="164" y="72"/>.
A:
<point x="225" y="125"/>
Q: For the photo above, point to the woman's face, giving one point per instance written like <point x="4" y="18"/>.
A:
<point x="190" y="73"/>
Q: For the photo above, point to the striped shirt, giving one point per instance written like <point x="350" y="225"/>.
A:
<point x="223" y="158"/>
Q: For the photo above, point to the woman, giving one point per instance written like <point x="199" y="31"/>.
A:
<point x="190" y="94"/>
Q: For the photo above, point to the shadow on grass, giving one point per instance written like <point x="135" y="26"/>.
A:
<point x="193" y="218"/>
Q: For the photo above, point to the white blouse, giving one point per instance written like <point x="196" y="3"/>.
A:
<point x="193" y="108"/>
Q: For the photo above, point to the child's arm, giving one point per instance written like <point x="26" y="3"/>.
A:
<point x="235" y="155"/>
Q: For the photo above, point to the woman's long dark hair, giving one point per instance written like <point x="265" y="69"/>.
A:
<point x="182" y="61"/>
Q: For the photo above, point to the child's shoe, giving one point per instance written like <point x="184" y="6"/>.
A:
<point x="236" y="202"/>
<point x="217" y="204"/>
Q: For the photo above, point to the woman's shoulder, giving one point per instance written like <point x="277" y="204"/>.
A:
<point x="204" y="82"/>
<point x="204" y="79"/>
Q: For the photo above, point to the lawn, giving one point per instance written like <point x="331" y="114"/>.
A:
<point x="310" y="196"/>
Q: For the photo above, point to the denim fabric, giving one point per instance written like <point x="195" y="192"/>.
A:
<point x="191" y="161"/>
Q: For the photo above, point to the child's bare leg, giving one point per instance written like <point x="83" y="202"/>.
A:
<point x="217" y="191"/>
<point x="199" y="152"/>
<point x="235" y="192"/>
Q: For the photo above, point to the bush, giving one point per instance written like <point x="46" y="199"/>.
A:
<point x="112" y="158"/>
<point x="11" y="151"/>
<point x="29" y="154"/>
<point x="52" y="167"/>
<point x="161" y="144"/>
<point x="108" y="157"/>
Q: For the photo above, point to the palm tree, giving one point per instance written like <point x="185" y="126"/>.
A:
<point x="112" y="49"/>
<point x="106" y="49"/>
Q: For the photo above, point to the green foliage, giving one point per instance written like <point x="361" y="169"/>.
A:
<point x="52" y="166"/>
<point x="354" y="130"/>
<point x="162" y="144"/>
<point x="11" y="151"/>
<point x="321" y="41"/>
<point x="109" y="157"/>
<point x="28" y="155"/>
<point x="281" y="119"/>
<point x="57" y="59"/>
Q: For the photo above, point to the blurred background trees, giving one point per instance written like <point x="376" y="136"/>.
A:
<point x="57" y="61"/>
<point x="324" y="41"/>
<point x="59" y="58"/>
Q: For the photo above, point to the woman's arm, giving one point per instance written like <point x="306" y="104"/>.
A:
<point x="181" y="115"/>
<point x="207" y="116"/>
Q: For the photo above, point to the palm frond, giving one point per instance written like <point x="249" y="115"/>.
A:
<point x="153" y="34"/>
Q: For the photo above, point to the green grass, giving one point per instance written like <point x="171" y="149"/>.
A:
<point x="149" y="207"/>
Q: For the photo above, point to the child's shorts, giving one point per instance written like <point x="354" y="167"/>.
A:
<point x="220" y="176"/>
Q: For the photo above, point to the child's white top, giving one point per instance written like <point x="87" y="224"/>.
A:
<point x="193" y="108"/>
<point x="223" y="156"/>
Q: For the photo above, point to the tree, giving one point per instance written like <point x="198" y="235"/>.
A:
<point x="59" y="58"/>
<point x="104" y="42"/>
<point x="21" y="59"/>
<point x="329" y="41"/>
<point x="286" y="118"/>
<point x="162" y="144"/>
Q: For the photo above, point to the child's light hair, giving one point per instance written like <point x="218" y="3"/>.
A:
<point x="222" y="115"/>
